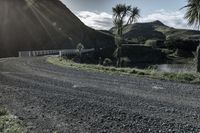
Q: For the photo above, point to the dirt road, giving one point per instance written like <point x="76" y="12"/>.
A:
<point x="49" y="98"/>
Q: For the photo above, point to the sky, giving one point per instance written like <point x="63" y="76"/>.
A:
<point x="98" y="13"/>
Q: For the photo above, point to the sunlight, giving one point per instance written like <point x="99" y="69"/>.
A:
<point x="36" y="10"/>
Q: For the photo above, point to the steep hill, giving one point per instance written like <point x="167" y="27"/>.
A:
<point x="155" y="30"/>
<point x="43" y="24"/>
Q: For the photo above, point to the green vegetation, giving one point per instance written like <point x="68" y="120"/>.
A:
<point x="142" y="55"/>
<point x="9" y="124"/>
<point x="151" y="73"/>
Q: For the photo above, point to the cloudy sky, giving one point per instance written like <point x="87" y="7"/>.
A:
<point x="98" y="13"/>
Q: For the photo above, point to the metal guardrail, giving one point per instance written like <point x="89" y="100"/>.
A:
<point x="64" y="52"/>
<point x="38" y="53"/>
<point x="73" y="52"/>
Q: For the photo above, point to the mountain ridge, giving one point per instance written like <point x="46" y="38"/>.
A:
<point x="156" y="30"/>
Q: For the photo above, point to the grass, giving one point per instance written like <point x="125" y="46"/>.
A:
<point x="151" y="73"/>
<point x="9" y="123"/>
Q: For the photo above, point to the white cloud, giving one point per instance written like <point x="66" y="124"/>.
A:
<point x="103" y="20"/>
<point x="172" y="19"/>
<point x="96" y="20"/>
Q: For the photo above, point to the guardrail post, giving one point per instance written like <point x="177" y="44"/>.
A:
<point x="29" y="53"/>
<point x="60" y="53"/>
<point x="19" y="54"/>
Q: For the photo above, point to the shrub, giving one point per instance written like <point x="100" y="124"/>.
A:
<point x="186" y="77"/>
<point x="151" y="43"/>
<point x="3" y="112"/>
<point x="154" y="43"/>
<point x="141" y="54"/>
<point x="183" y="53"/>
<point x="188" y="45"/>
<point x="125" y="61"/>
<point x="107" y="62"/>
<point x="133" y="71"/>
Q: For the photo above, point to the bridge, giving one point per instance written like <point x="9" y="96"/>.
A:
<point x="63" y="52"/>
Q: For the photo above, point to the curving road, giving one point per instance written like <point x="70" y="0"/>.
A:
<point x="49" y="98"/>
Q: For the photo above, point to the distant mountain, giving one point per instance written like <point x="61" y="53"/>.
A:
<point x="140" y="32"/>
<point x="43" y="24"/>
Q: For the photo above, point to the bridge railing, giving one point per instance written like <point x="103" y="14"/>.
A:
<point x="64" y="52"/>
<point x="70" y="52"/>
<point x="38" y="53"/>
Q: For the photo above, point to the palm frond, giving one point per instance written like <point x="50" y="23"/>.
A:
<point x="193" y="12"/>
<point x="135" y="14"/>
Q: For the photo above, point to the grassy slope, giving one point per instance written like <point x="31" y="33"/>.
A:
<point x="182" y="77"/>
<point x="9" y="123"/>
<point x="177" y="33"/>
<point x="156" y="30"/>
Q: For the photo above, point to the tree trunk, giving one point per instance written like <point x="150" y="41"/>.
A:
<point x="118" y="43"/>
<point x="119" y="62"/>
<point x="119" y="56"/>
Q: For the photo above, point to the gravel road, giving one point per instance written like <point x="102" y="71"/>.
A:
<point x="49" y="99"/>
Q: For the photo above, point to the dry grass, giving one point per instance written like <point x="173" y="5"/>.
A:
<point x="151" y="73"/>
<point x="9" y="123"/>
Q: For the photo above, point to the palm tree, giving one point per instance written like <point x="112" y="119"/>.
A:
<point x="120" y="12"/>
<point x="193" y="16"/>
<point x="193" y="13"/>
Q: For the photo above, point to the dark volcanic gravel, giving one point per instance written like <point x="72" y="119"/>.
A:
<point x="49" y="98"/>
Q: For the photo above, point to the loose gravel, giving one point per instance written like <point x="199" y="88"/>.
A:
<point x="48" y="98"/>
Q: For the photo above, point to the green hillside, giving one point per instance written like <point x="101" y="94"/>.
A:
<point x="141" y="32"/>
<point x="43" y="24"/>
